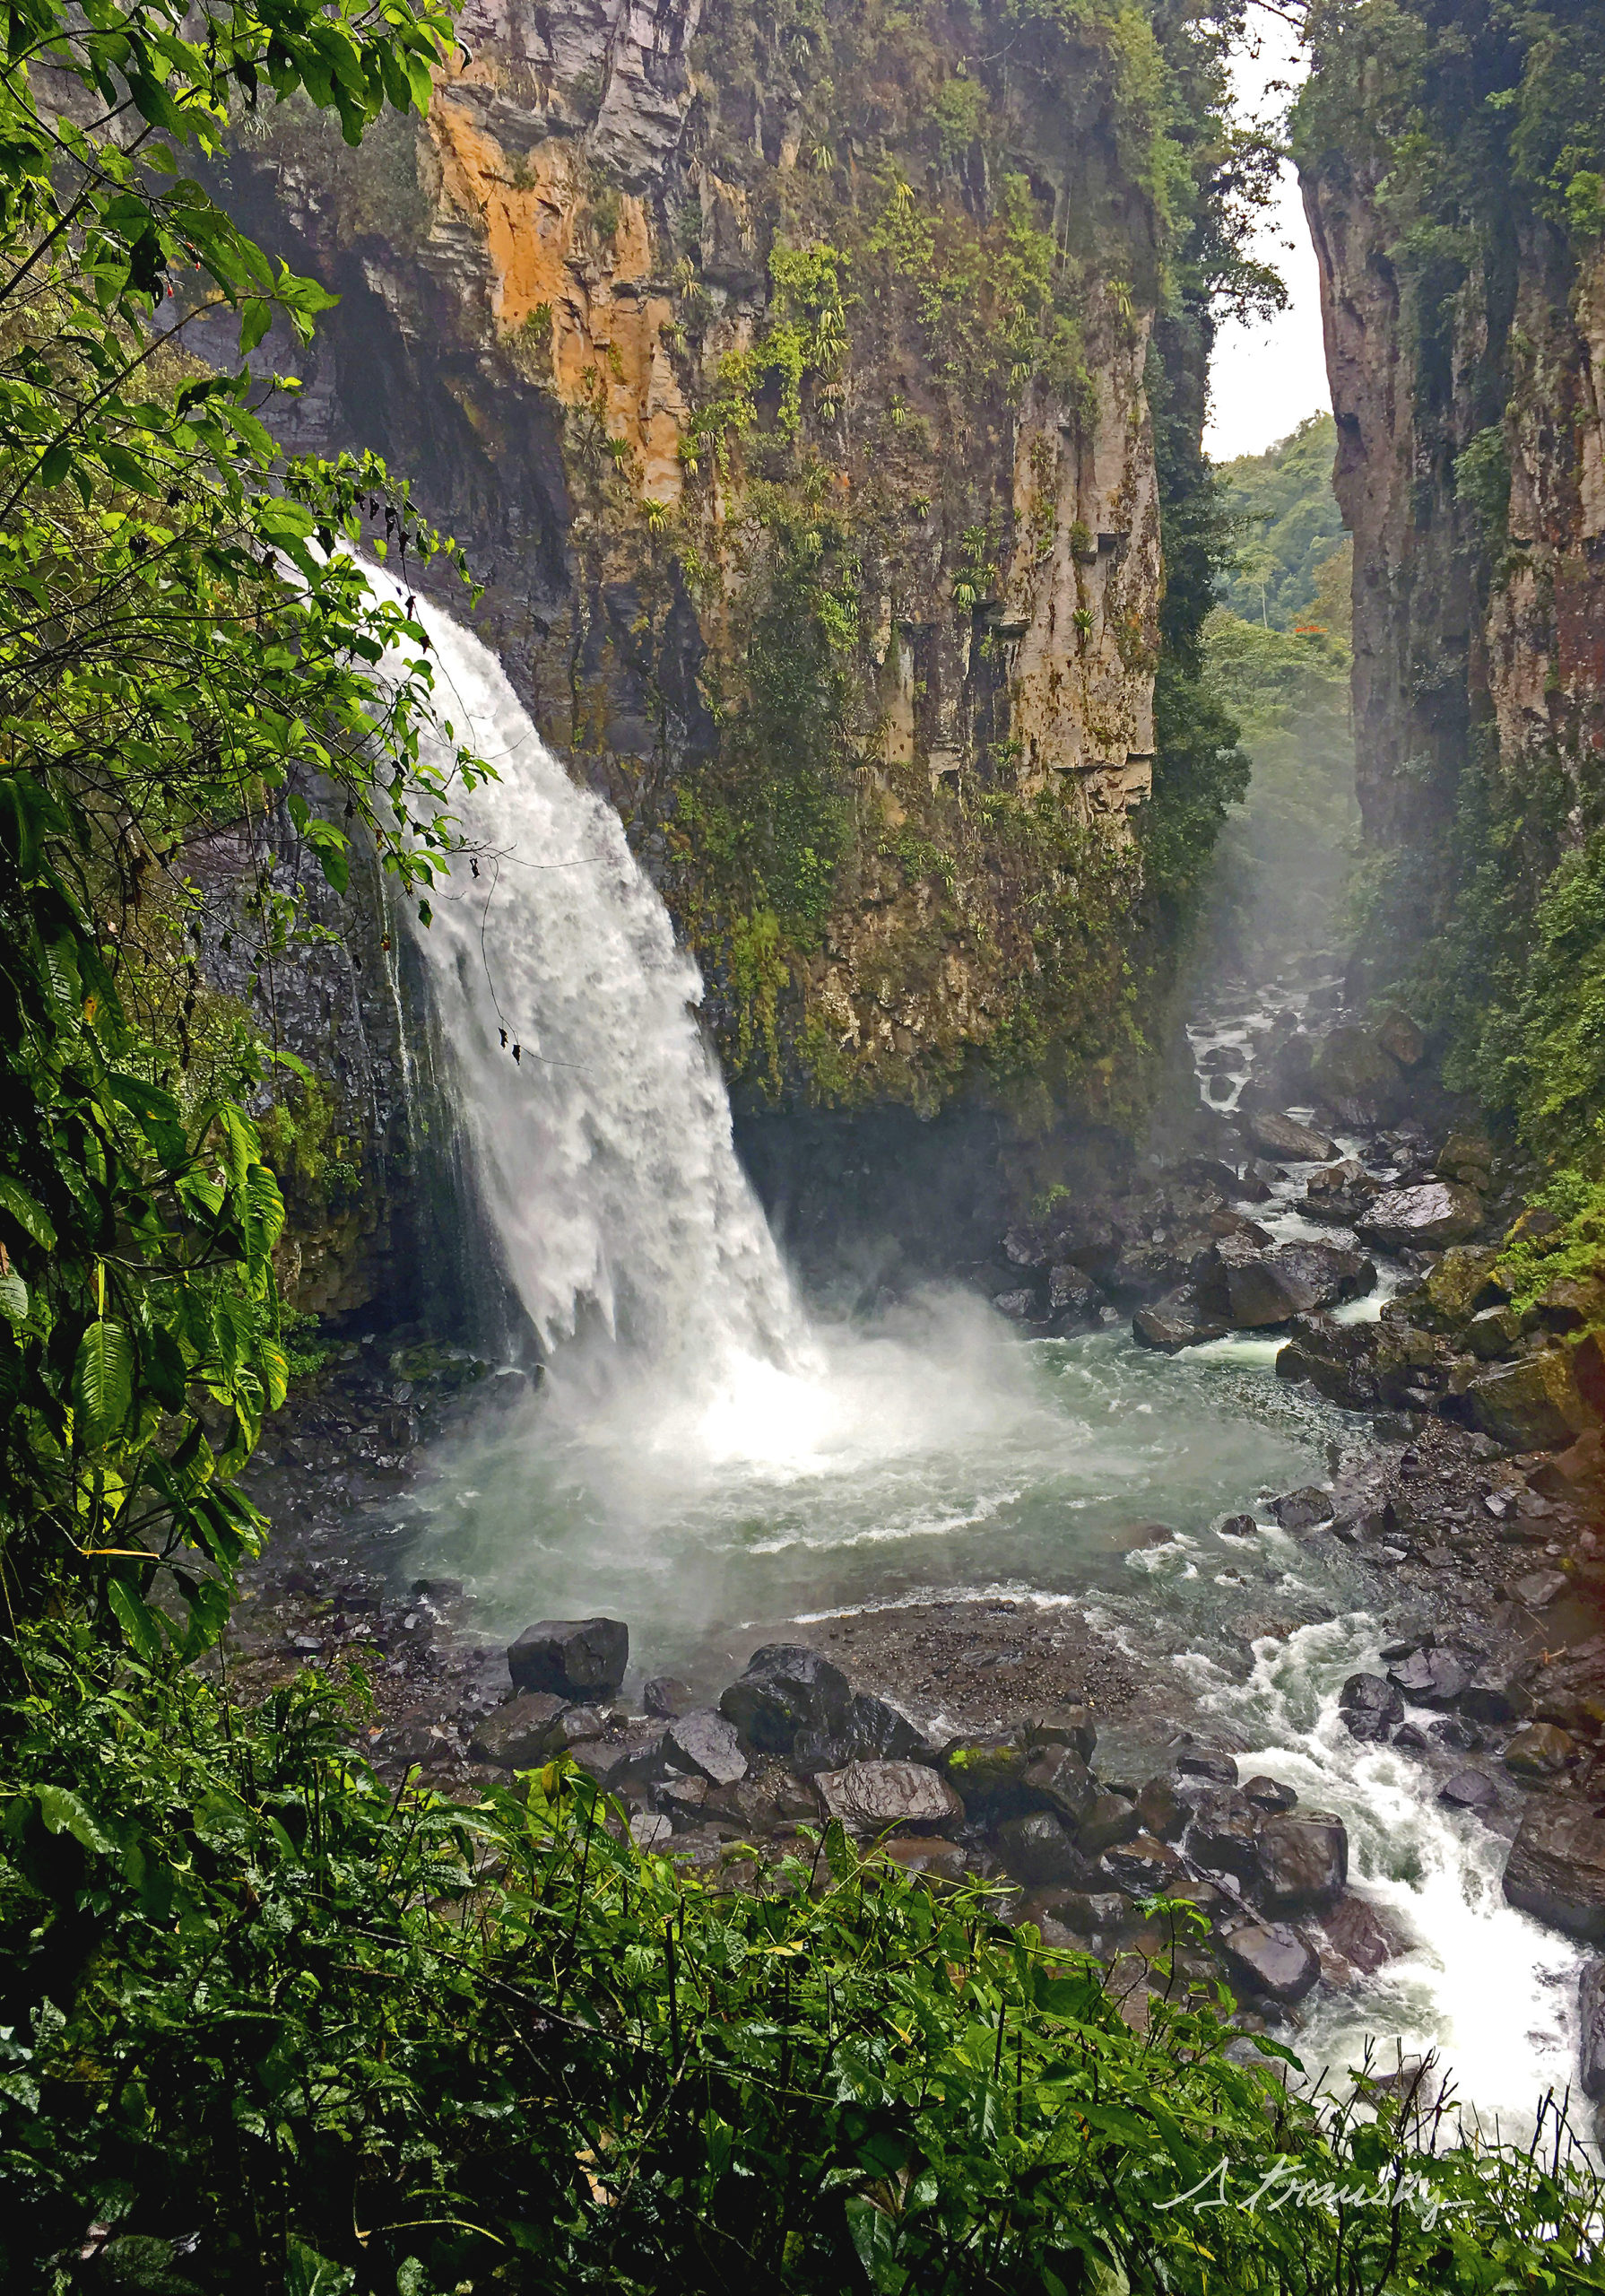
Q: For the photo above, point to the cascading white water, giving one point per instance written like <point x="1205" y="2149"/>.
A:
<point x="603" y="1151"/>
<point x="736" y="1467"/>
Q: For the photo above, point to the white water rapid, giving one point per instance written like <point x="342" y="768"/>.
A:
<point x="706" y="1465"/>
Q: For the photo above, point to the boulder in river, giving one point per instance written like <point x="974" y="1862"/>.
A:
<point x="1162" y="1810"/>
<point x="1270" y="1794"/>
<point x="1039" y="1850"/>
<point x="1264" y="1958"/>
<point x="1468" y="1789"/>
<point x="573" y="1657"/>
<point x="1224" y="1836"/>
<point x="1422" y="1218"/>
<point x="1142" y="1868"/>
<point x="1111" y="1820"/>
<point x="1071" y="1290"/>
<point x="1302" y="1510"/>
<point x="1174" y="1322"/>
<point x="1208" y="1764"/>
<point x="1254" y="1288"/>
<point x="1540" y="1751"/>
<point x="518" y="1735"/>
<point x="1285" y="1137"/>
<point x="1303" y="1861"/>
<point x="786" y="1688"/>
<point x="1362" y="1934"/>
<point x="1556" y="1869"/>
<point x="1591" y="2006"/>
<point x="705" y="1743"/>
<point x="1357" y="1079"/>
<point x="1430" y="1677"/>
<point x="1058" y="1779"/>
<point x="870" y="1730"/>
<point x="868" y="1796"/>
<point x="1370" y="1706"/>
<point x="1532" y="1404"/>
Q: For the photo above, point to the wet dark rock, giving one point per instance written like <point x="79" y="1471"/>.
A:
<point x="1174" y="1322"/>
<point x="650" y="1832"/>
<point x="1302" y="1510"/>
<point x="1072" y="1726"/>
<point x="573" y="1727"/>
<point x="1468" y="1789"/>
<point x="519" y="1734"/>
<point x="1556" y="1869"/>
<point x="1215" y="1768"/>
<point x="1533" y="1405"/>
<point x="1370" y="1706"/>
<point x="579" y="1659"/>
<point x="1494" y="1334"/>
<point x="1059" y="1780"/>
<point x="665" y="1696"/>
<point x="1090" y="1912"/>
<point x="870" y="1730"/>
<point x="785" y="1688"/>
<point x="1571" y="1303"/>
<point x="1303" y="1861"/>
<point x="988" y="1772"/>
<point x="1238" y="1526"/>
<point x="1590" y="2036"/>
<point x="1497" y="1692"/>
<point x="1363" y="1934"/>
<point x="1269" y="1794"/>
<point x="1254" y="1288"/>
<point x="681" y="1797"/>
<point x="1025" y="1247"/>
<point x="704" y="1741"/>
<point x="1354" y="1077"/>
<point x="1020" y="1307"/>
<point x="1039" y="1850"/>
<point x="928" y="1854"/>
<point x="1162" y="1810"/>
<point x="1540" y="1751"/>
<point x="634" y="1758"/>
<point x="1270" y="1961"/>
<point x="1142" y="1868"/>
<point x="1430" y="1677"/>
<point x="1071" y="1290"/>
<point x="1399" y="1037"/>
<point x="1224" y="1835"/>
<point x="1540" y="1588"/>
<point x="1284" y="1136"/>
<point x="869" y="1797"/>
<point x="1410" y="1740"/>
<point x="1422" y="1218"/>
<point x="1451" y="1732"/>
<point x="1111" y="1820"/>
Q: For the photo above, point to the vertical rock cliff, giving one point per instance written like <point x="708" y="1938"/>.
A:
<point x="1450" y="157"/>
<point x="792" y="372"/>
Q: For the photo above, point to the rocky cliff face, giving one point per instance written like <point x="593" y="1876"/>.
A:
<point x="790" y="375"/>
<point x="1450" y="176"/>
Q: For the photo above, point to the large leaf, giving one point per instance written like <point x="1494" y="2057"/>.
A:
<point x="103" y="1380"/>
<point x="63" y="1812"/>
<point x="138" y="1621"/>
<point x="29" y="1215"/>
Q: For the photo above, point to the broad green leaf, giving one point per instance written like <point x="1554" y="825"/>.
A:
<point x="63" y="1812"/>
<point x="139" y="1623"/>
<point x="29" y="1215"/>
<point x="307" y="2274"/>
<point x="14" y="1298"/>
<point x="103" y="1379"/>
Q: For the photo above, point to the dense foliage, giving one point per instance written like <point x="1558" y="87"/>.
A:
<point x="187" y="655"/>
<point x="272" y="2026"/>
<point x="1289" y="524"/>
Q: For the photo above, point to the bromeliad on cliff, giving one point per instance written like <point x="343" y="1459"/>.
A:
<point x="822" y="383"/>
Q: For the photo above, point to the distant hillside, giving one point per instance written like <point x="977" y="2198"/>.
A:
<point x="1291" y="523"/>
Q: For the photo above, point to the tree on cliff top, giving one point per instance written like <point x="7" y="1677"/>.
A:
<point x="184" y="648"/>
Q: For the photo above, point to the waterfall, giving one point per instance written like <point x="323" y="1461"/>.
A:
<point x="603" y="1153"/>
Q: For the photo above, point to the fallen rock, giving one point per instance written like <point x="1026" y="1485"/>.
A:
<point x="518" y="1735"/>
<point x="1020" y="1307"/>
<point x="1432" y="1677"/>
<point x="1269" y="1961"/>
<point x="1591" y="2006"/>
<point x="1401" y="1038"/>
<point x="1497" y="1692"/>
<point x="1301" y="1510"/>
<point x="1540" y="1751"/>
<point x="869" y="1797"/>
<point x="1571" y="1303"/>
<point x="1357" y="1079"/>
<point x="679" y="1797"/>
<point x="1111" y="1820"/>
<point x="650" y="1832"/>
<point x="1530" y="1405"/>
<point x="1089" y="1912"/>
<point x="1268" y="1794"/>
<point x="637" y="1759"/>
<point x="1058" y="1779"/>
<point x="665" y="1696"/>
<point x="1162" y="1811"/>
<point x="1370" y="1706"/>
<point x="1556" y="1869"/>
<point x="1177" y="1321"/>
<point x="1468" y="1789"/>
<point x="1069" y="1725"/>
<point x="1365" y="1936"/>
<point x="1224" y="1836"/>
<point x="1422" y="1218"/>
<point x="1493" y="1334"/>
<point x="1283" y="1135"/>
<point x="1255" y="1289"/>
<point x="1038" y="1850"/>
<point x="1540" y="1588"/>
<point x="575" y="1658"/>
<point x="1462" y="1282"/>
<point x="1071" y="1290"/>
<point x="786" y="1688"/>
<point x="1205" y="1762"/>
<point x="707" y="1744"/>
<point x="926" y="1853"/>
<point x="1304" y="1862"/>
<point x="574" y="1726"/>
<point x="1142" y="1868"/>
<point x="989" y="1770"/>
<point x="870" y="1730"/>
